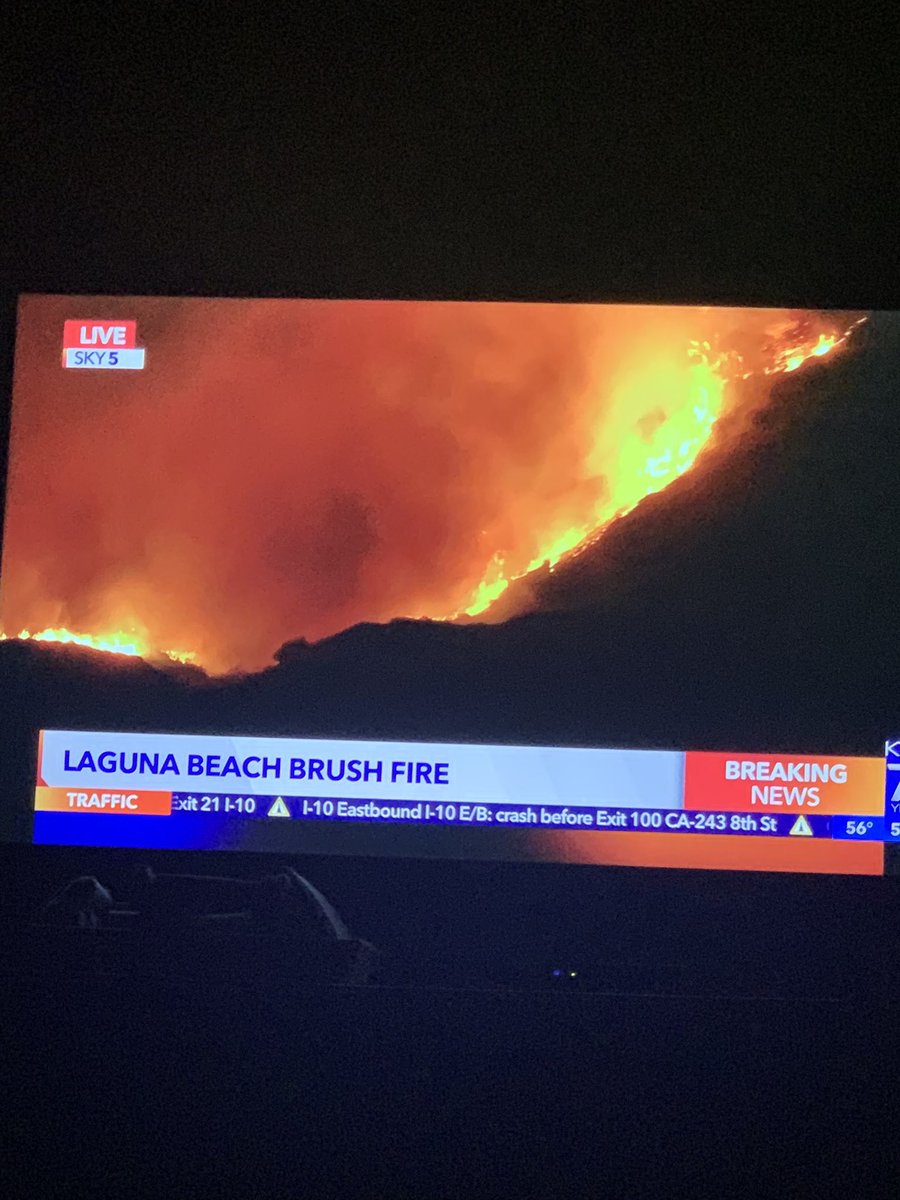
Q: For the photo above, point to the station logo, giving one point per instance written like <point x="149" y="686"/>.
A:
<point x="892" y="779"/>
<point x="102" y="346"/>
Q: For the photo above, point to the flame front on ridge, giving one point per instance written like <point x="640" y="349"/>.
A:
<point x="114" y="643"/>
<point x="649" y="463"/>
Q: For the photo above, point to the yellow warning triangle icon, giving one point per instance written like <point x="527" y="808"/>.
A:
<point x="801" y="828"/>
<point x="278" y="809"/>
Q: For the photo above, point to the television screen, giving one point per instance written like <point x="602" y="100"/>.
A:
<point x="568" y="582"/>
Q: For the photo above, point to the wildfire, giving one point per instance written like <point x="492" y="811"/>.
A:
<point x="462" y="447"/>
<point x="113" y="643"/>
<point x="649" y="461"/>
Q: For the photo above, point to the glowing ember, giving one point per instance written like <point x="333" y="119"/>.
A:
<point x="185" y="657"/>
<point x="790" y="360"/>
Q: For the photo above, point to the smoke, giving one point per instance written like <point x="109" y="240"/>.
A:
<point x="285" y="469"/>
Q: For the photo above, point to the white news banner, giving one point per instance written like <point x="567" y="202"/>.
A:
<point x="344" y="769"/>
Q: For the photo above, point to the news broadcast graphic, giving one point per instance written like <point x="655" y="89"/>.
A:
<point x="892" y="790"/>
<point x="102" y="345"/>
<point x="180" y="791"/>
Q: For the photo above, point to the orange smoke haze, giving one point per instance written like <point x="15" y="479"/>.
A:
<point x="285" y="469"/>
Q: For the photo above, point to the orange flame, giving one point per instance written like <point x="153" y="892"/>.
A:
<point x="112" y="643"/>
<point x="648" y="464"/>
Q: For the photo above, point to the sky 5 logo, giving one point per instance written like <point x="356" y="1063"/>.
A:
<point x="102" y="345"/>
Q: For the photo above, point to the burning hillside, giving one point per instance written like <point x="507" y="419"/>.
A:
<point x="288" y="469"/>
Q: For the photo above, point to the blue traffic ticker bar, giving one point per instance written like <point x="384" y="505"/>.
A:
<point x="546" y="816"/>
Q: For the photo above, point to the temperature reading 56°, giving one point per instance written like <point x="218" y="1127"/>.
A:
<point x="859" y="829"/>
